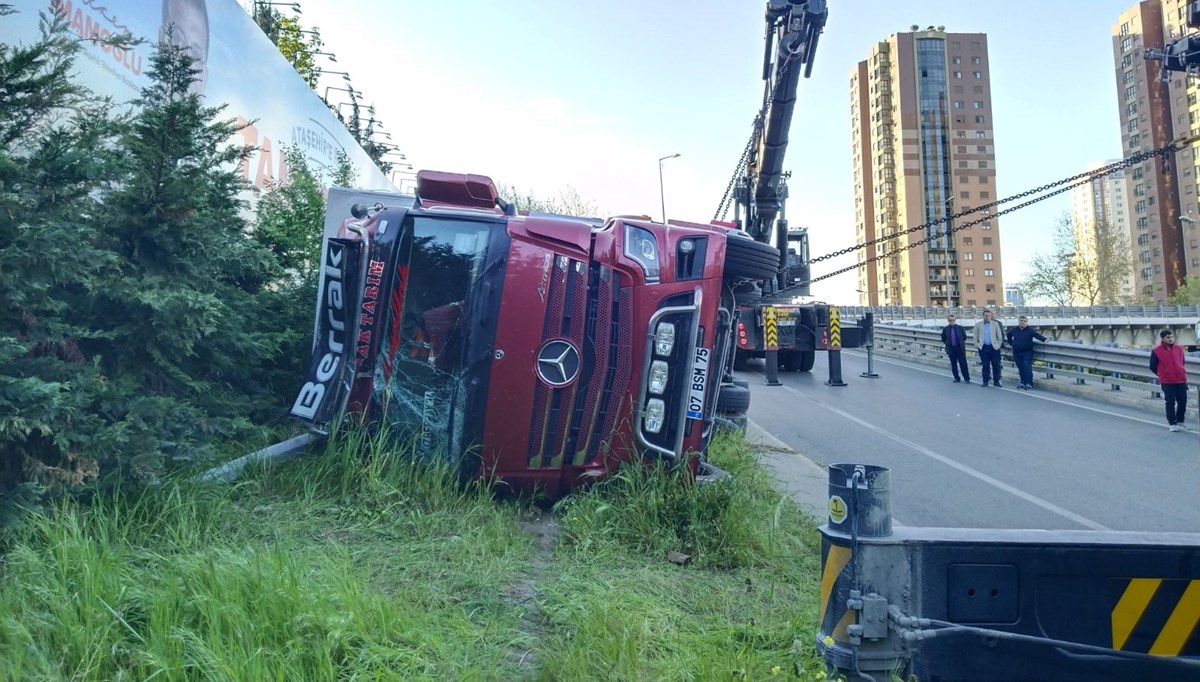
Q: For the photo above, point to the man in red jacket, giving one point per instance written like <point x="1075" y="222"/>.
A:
<point x="1166" y="361"/>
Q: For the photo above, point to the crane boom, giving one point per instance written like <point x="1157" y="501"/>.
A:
<point x="792" y="30"/>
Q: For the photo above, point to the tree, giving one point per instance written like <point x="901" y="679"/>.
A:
<point x="296" y="46"/>
<point x="1090" y="266"/>
<point x="1100" y="270"/>
<point x="1188" y="294"/>
<point x="568" y="202"/>
<point x="1047" y="274"/>
<point x="184" y="345"/>
<point x="56" y="156"/>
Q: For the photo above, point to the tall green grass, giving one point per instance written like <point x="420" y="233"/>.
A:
<point x="743" y="607"/>
<point x="353" y="565"/>
<point x="359" y="563"/>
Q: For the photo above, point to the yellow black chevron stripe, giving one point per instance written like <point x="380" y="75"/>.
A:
<point x="771" y="328"/>
<point x="835" y="327"/>
<point x="1157" y="616"/>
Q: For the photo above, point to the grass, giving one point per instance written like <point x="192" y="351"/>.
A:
<point x="345" y="567"/>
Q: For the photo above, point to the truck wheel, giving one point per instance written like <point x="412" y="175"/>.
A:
<point x="746" y="258"/>
<point x="733" y="398"/>
<point x="807" y="359"/>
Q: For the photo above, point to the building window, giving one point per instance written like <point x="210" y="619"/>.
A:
<point x="958" y="74"/>
<point x="970" y="288"/>
<point x="982" y="149"/>
<point x="1128" y="78"/>
<point x="980" y="135"/>
<point x="974" y="60"/>
<point x="964" y="195"/>
<point x="978" y="104"/>
<point x="978" y="75"/>
<point x="985" y="195"/>
<point x="989" y="288"/>
<point x="988" y="272"/>
<point x="967" y="241"/>
<point x="956" y="60"/>
<point x="1127" y="61"/>
<point x="969" y="272"/>
<point x="986" y="226"/>
<point x="979" y="119"/>
<point x="958" y="104"/>
<point x="1126" y="44"/>
<point x="983" y="164"/>
<point x="1145" y="273"/>
<point x="987" y="241"/>
<point x="968" y="256"/>
<point x="1125" y="29"/>
<point x="987" y="255"/>
<point x="1130" y="92"/>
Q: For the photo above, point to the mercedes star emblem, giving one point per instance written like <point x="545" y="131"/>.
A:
<point x="558" y="362"/>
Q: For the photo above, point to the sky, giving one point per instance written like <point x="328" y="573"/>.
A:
<point x="543" y="95"/>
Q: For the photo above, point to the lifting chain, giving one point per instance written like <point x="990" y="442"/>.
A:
<point x="759" y="123"/>
<point x="1063" y="185"/>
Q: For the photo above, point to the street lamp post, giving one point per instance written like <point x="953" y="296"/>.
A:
<point x="662" y="199"/>
<point x="294" y="5"/>
<point x="345" y="76"/>
<point x="349" y="89"/>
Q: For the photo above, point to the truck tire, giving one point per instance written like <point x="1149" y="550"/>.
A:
<point x="733" y="398"/>
<point x="797" y="360"/>
<point x="746" y="258"/>
<point x="805" y="359"/>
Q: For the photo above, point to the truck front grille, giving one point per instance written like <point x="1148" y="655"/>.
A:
<point x="586" y="306"/>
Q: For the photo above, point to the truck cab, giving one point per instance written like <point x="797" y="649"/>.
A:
<point x="538" y="350"/>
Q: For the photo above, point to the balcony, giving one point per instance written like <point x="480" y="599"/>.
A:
<point x="941" y="259"/>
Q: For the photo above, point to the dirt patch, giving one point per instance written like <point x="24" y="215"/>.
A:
<point x="546" y="529"/>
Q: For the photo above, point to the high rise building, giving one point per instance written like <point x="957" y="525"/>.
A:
<point x="1165" y="196"/>
<point x="922" y="141"/>
<point x="1105" y="201"/>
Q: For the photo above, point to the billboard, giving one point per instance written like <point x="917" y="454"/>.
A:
<point x="240" y="68"/>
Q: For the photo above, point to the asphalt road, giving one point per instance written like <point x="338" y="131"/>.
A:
<point x="968" y="457"/>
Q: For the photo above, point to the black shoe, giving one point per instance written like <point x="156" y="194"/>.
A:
<point x="957" y="380"/>
<point x="984" y="384"/>
<point x="999" y="385"/>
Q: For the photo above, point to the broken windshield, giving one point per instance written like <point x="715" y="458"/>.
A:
<point x="419" y="376"/>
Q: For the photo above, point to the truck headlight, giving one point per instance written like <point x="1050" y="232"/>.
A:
<point x="642" y="247"/>
<point x="658" y="377"/>
<point x="664" y="339"/>
<point x="656" y="411"/>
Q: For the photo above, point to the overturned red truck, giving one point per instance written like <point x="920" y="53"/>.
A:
<point x="539" y="350"/>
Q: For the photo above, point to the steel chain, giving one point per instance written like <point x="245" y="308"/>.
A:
<point x="1074" y="181"/>
<point x="760" y="122"/>
<point x="1099" y="172"/>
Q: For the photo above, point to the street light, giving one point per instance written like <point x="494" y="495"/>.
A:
<point x="1188" y="219"/>
<point x="350" y="89"/>
<point x="345" y="76"/>
<point x="294" y="5"/>
<point x="662" y="197"/>
<point x="332" y="57"/>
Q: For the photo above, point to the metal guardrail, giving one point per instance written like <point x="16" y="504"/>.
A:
<point x="1114" y="367"/>
<point x="975" y="312"/>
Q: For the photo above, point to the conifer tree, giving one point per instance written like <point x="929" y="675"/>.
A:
<point x="184" y="342"/>
<point x="56" y="156"/>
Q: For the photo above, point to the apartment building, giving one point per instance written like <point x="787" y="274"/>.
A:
<point x="1165" y="197"/>
<point x="1106" y="201"/>
<point x="923" y="149"/>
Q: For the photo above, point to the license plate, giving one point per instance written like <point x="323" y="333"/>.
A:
<point x="699" y="383"/>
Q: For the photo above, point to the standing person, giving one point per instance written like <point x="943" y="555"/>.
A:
<point x="1021" y="339"/>
<point x="989" y="339"/>
<point x="954" y="338"/>
<point x="1166" y="361"/>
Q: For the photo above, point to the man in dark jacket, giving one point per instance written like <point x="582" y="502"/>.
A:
<point x="954" y="338"/>
<point x="1021" y="339"/>
<point x="1166" y="361"/>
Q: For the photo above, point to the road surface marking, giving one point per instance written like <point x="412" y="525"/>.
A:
<point x="979" y="475"/>
<point x="1031" y="395"/>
